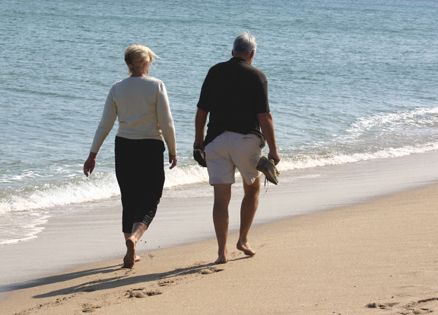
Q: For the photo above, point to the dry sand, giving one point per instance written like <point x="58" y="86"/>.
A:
<point x="378" y="257"/>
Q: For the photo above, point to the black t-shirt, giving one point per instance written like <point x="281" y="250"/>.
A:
<point x="233" y="93"/>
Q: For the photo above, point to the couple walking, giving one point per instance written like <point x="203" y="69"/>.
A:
<point x="234" y="99"/>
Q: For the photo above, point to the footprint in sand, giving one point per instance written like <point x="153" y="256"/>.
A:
<point x="382" y="306"/>
<point x="141" y="293"/>
<point x="210" y="270"/>
<point x="88" y="308"/>
<point x="234" y="254"/>
<point x="423" y="306"/>
<point x="164" y="283"/>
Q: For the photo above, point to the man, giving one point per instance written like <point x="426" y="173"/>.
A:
<point x="234" y="95"/>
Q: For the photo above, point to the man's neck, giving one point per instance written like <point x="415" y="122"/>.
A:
<point x="247" y="57"/>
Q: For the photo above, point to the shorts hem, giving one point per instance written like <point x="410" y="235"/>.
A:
<point x="212" y="183"/>
<point x="252" y="179"/>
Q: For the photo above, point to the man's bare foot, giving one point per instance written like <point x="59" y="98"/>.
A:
<point x="245" y="248"/>
<point x="129" y="259"/>
<point x="222" y="259"/>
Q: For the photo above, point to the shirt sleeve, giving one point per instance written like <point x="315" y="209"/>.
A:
<point x="165" y="119"/>
<point x="261" y="95"/>
<point x="206" y="90"/>
<point x="106" y="123"/>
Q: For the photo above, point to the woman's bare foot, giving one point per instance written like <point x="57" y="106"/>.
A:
<point x="245" y="248"/>
<point x="137" y="258"/>
<point x="129" y="259"/>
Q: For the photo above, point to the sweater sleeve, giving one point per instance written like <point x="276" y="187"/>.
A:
<point x="106" y="123"/>
<point x="165" y="119"/>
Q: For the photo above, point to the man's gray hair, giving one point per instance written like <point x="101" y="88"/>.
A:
<point x="244" y="43"/>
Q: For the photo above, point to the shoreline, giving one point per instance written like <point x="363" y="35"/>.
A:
<point x="356" y="259"/>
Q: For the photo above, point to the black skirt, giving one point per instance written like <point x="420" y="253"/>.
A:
<point x="140" y="174"/>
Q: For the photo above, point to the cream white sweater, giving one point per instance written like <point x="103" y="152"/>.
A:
<point x="142" y="108"/>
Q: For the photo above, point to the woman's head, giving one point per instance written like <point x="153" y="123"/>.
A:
<point x="138" y="59"/>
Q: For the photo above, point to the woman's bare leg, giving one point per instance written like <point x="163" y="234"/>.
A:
<point x="131" y="240"/>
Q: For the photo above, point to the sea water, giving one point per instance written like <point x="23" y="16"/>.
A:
<point x="348" y="81"/>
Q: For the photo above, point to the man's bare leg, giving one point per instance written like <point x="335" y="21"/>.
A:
<point x="222" y="196"/>
<point x="131" y="240"/>
<point x="248" y="209"/>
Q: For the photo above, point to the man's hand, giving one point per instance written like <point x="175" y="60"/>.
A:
<point x="172" y="161"/>
<point x="200" y="120"/>
<point x="267" y="126"/>
<point x="274" y="156"/>
<point x="198" y="145"/>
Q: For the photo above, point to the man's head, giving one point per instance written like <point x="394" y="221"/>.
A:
<point x="245" y="47"/>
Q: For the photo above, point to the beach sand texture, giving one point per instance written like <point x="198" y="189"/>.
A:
<point x="378" y="257"/>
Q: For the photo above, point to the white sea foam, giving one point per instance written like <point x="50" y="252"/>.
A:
<point x="105" y="186"/>
<point x="419" y="117"/>
<point x="19" y="231"/>
<point x="52" y="195"/>
<point x="185" y="175"/>
<point x="6" y="178"/>
<point x="17" y="240"/>
<point x="85" y="190"/>
<point x="301" y="162"/>
<point x="31" y="232"/>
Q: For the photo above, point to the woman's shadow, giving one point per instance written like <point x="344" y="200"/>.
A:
<point x="119" y="280"/>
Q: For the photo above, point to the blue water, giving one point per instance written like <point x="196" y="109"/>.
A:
<point x="348" y="81"/>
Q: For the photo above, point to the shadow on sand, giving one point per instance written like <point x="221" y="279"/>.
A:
<point x="59" y="278"/>
<point x="120" y="280"/>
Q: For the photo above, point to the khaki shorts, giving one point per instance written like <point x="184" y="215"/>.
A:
<point x="231" y="150"/>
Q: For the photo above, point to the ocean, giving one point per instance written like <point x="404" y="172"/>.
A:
<point x="349" y="81"/>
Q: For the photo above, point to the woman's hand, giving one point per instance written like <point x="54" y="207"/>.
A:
<point x="90" y="163"/>
<point x="172" y="161"/>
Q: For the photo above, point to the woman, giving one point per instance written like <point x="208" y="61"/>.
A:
<point x="141" y="105"/>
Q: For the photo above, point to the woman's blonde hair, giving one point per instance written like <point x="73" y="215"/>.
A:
<point x="136" y="56"/>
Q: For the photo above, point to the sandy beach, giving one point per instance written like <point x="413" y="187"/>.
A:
<point x="376" y="257"/>
<point x="350" y="229"/>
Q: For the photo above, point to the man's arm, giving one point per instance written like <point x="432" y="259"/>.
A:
<point x="200" y="121"/>
<point x="267" y="126"/>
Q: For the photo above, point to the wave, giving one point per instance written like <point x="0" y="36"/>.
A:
<point x="304" y="161"/>
<point x="52" y="195"/>
<point x="104" y="186"/>
<point x="386" y="122"/>
<point x="26" y="232"/>
<point x="80" y="189"/>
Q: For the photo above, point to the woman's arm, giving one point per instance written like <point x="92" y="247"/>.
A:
<point x="165" y="121"/>
<point x="109" y="116"/>
<point x="106" y="124"/>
